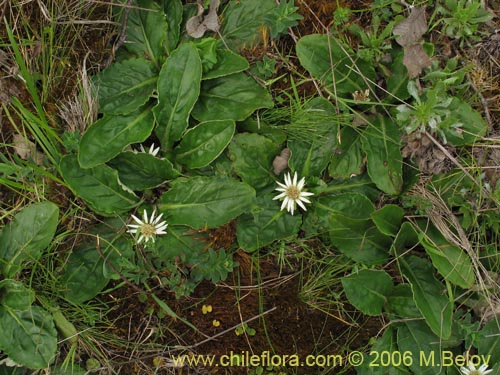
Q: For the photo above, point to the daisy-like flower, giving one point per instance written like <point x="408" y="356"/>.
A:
<point x="152" y="150"/>
<point x="471" y="370"/>
<point x="148" y="229"/>
<point x="292" y="194"/>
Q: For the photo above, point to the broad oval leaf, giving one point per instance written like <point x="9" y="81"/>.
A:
<point x="388" y="219"/>
<point x="178" y="90"/>
<point x="23" y="239"/>
<point x="242" y="19"/>
<point x="428" y="294"/>
<point x="108" y="136"/>
<point x="28" y="337"/>
<point x="14" y="295"/>
<point x="265" y="225"/>
<point x="125" y="86"/>
<point x="381" y="143"/>
<point x="359" y="239"/>
<point x="139" y="171"/>
<point x="313" y="136"/>
<point x="415" y="337"/>
<point x="232" y="97"/>
<point x="252" y="157"/>
<point x="147" y="31"/>
<point x="203" y="143"/>
<point x="87" y="271"/>
<point x="210" y="202"/>
<point x="472" y="123"/>
<point x="333" y="64"/>
<point x="83" y="276"/>
<point x="452" y="263"/>
<point x="227" y="63"/>
<point x="347" y="159"/>
<point x="367" y="290"/>
<point x="173" y="13"/>
<point x="98" y="186"/>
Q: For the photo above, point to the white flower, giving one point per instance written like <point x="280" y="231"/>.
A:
<point x="471" y="370"/>
<point x="152" y="150"/>
<point x="292" y="194"/>
<point x="148" y="229"/>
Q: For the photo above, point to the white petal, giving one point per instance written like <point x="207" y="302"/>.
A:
<point x="301" y="184"/>
<point x="279" y="196"/>
<point x="301" y="204"/>
<point x="291" y="206"/>
<point x="157" y="220"/>
<point x="132" y="231"/>
<point x="464" y="370"/>
<point x="281" y="189"/>
<point x="145" y="216"/>
<point x="134" y="225"/>
<point x="141" y="237"/>
<point x="304" y="200"/>
<point x="281" y="185"/>
<point x="284" y="204"/>
<point x="137" y="220"/>
<point x="306" y="193"/>
<point x="295" y="179"/>
<point x="161" y="228"/>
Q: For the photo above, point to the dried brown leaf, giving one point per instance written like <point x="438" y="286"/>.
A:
<point x="197" y="25"/>
<point x="26" y="149"/>
<point x="411" y="29"/>
<point x="280" y="162"/>
<point x="415" y="59"/>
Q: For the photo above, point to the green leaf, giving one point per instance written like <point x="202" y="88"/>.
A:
<point x="205" y="201"/>
<point x="83" y="276"/>
<point x="472" y="123"/>
<point x="108" y="136"/>
<point x="98" y="186"/>
<point x="147" y="31"/>
<point x="126" y="86"/>
<point x="86" y="271"/>
<point x="181" y="242"/>
<point x="406" y="238"/>
<point x="23" y="239"/>
<point x="14" y="295"/>
<point x="241" y="21"/>
<point x="333" y="64"/>
<point x="347" y="160"/>
<point x="381" y="143"/>
<point x="384" y="344"/>
<point x="204" y="143"/>
<point x="28" y="337"/>
<point x="232" y="97"/>
<point x="367" y="290"/>
<point x="452" y="263"/>
<point x="388" y="219"/>
<point x="311" y="152"/>
<point x="359" y="239"/>
<point x="353" y="205"/>
<point x="428" y="294"/>
<point x="397" y="82"/>
<point x="252" y="157"/>
<point x="265" y="225"/>
<point x="227" y="63"/>
<point x="401" y="305"/>
<point x="173" y="12"/>
<point x="415" y="337"/>
<point x="178" y="90"/>
<point x="140" y="171"/>
<point x="489" y="341"/>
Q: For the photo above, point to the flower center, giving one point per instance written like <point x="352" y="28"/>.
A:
<point x="148" y="230"/>
<point x="293" y="193"/>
